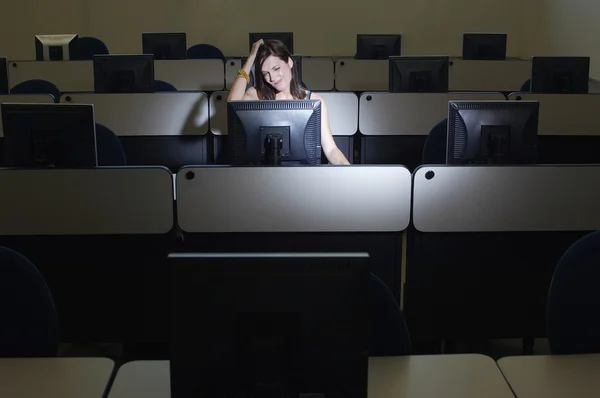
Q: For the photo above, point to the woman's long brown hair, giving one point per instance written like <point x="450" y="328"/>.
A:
<point x="278" y="49"/>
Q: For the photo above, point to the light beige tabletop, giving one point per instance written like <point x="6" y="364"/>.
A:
<point x="54" y="377"/>
<point x="431" y="376"/>
<point x="553" y="376"/>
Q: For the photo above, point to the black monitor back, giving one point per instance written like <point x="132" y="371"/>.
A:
<point x="169" y="45"/>
<point x="484" y="46"/>
<point x="49" y="135"/>
<point x="378" y="46"/>
<point x="3" y="76"/>
<point x="560" y="75"/>
<point x="270" y="325"/>
<point x="419" y="74"/>
<point x="287" y="38"/>
<point x="250" y="123"/>
<point x="492" y="132"/>
<point x="54" y="47"/>
<point x="125" y="73"/>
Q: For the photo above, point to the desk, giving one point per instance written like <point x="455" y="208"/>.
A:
<point x="54" y="377"/>
<point x="553" y="376"/>
<point x="68" y="76"/>
<point x="191" y="74"/>
<point x="361" y="75"/>
<point x="506" y="76"/>
<point x="431" y="376"/>
<point x="318" y="73"/>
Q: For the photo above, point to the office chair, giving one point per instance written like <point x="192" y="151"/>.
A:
<point x="162" y="86"/>
<point x="434" y="150"/>
<point x="37" y="86"/>
<point x="85" y="48"/>
<point x="572" y="321"/>
<point x="204" y="51"/>
<point x="109" y="148"/>
<point x="526" y="87"/>
<point x="388" y="332"/>
<point x="27" y="313"/>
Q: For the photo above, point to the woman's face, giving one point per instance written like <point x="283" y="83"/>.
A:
<point x="277" y="72"/>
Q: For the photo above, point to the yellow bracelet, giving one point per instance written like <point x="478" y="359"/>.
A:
<point x="243" y="73"/>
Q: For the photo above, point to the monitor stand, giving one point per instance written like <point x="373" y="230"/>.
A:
<point x="273" y="146"/>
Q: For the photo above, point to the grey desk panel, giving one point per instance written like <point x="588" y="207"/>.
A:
<point x="170" y="113"/>
<point x="317" y="73"/>
<point x="24" y="99"/>
<point x="343" y="112"/>
<point x="68" y="76"/>
<point x="561" y="114"/>
<point x="192" y="74"/>
<point x="409" y="113"/>
<point x="232" y="65"/>
<point x="361" y="75"/>
<point x="99" y="201"/>
<point x="488" y="75"/>
<point x="294" y="199"/>
<point x="504" y="198"/>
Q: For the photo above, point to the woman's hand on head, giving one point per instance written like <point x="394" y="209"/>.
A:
<point x="255" y="47"/>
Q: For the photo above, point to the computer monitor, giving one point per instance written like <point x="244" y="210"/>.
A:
<point x="378" y="46"/>
<point x="54" y="47"/>
<point x="560" y="75"/>
<point x="269" y="325"/>
<point x="170" y="45"/>
<point x="286" y="38"/>
<point x="49" y="135"/>
<point x="115" y="74"/>
<point x="492" y="132"/>
<point x="3" y="76"/>
<point x="297" y="63"/>
<point x="275" y="132"/>
<point x="419" y="74"/>
<point x="484" y="46"/>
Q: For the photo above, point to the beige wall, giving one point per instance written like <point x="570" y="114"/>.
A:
<point x="572" y="27"/>
<point x="319" y="26"/>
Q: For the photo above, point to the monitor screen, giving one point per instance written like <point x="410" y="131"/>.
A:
<point x="378" y="46"/>
<point x="278" y="132"/>
<point x="115" y="74"/>
<point x="54" y="47"/>
<point x="269" y="325"/>
<point x="560" y="75"/>
<point x="492" y="132"/>
<point x="287" y="38"/>
<point x="484" y="46"/>
<point x="171" y="45"/>
<point x="426" y="74"/>
<point x="3" y="76"/>
<point x="49" y="135"/>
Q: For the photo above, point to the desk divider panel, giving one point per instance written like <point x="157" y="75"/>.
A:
<point x="191" y="74"/>
<point x="506" y="198"/>
<point x="293" y="199"/>
<point x="101" y="201"/>
<point x="472" y="75"/>
<point x="154" y="114"/>
<point x="409" y="113"/>
<point x="560" y="114"/>
<point x="232" y="65"/>
<point x="68" y="76"/>
<point x="318" y="73"/>
<point x="361" y="75"/>
<point x="343" y="112"/>
<point x="24" y="99"/>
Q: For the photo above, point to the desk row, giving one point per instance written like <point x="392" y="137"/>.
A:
<point x="464" y="376"/>
<point x="371" y="114"/>
<point x="214" y="199"/>
<point x="324" y="74"/>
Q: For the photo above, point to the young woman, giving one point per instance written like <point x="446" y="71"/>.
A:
<point x="276" y="79"/>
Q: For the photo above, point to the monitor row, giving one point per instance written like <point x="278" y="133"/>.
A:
<point x="173" y="45"/>
<point x="287" y="132"/>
